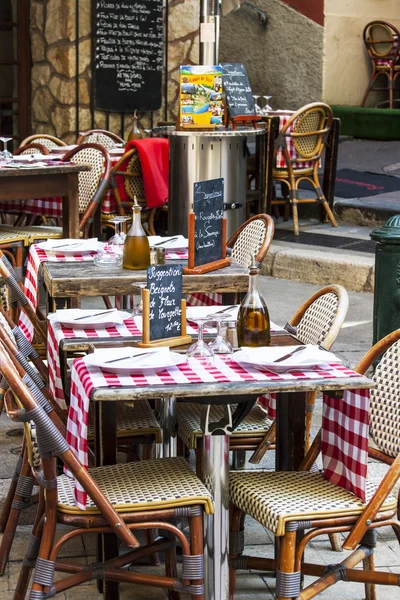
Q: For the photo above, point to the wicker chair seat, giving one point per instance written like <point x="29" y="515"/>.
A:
<point x="12" y="235"/>
<point x="137" y="486"/>
<point x="31" y="233"/>
<point x="276" y="498"/>
<point x="132" y="421"/>
<point x="283" y="173"/>
<point x="256" y="424"/>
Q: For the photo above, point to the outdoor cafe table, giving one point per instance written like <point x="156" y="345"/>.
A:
<point x="290" y="392"/>
<point x="46" y="182"/>
<point x="73" y="280"/>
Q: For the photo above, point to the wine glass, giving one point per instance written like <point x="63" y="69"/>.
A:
<point x="200" y="352"/>
<point x="137" y="310"/>
<point x="220" y="344"/>
<point x="118" y="239"/>
<point x="267" y="108"/>
<point x="5" y="154"/>
<point x="256" y="107"/>
<point x="147" y="132"/>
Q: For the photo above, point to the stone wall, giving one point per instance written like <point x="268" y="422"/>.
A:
<point x="284" y="59"/>
<point x="55" y="74"/>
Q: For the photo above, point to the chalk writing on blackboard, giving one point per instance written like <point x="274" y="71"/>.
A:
<point x="208" y="207"/>
<point x="128" y="54"/>
<point x="165" y="286"/>
<point x="237" y="89"/>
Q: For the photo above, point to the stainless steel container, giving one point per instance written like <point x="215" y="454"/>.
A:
<point x="200" y="156"/>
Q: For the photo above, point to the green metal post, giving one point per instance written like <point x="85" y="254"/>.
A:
<point x="387" y="278"/>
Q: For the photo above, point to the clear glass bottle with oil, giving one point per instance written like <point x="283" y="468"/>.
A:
<point x="136" y="255"/>
<point x="253" y="324"/>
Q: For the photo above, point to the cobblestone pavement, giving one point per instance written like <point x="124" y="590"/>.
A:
<point x="283" y="298"/>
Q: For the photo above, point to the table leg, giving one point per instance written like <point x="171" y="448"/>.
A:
<point x="168" y="421"/>
<point x="106" y="454"/>
<point x="216" y="526"/>
<point x="70" y="208"/>
<point x="290" y="430"/>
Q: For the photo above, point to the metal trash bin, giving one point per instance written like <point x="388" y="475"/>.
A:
<point x="200" y="156"/>
<point x="387" y="278"/>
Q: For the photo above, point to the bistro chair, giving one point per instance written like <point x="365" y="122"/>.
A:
<point x="381" y="40"/>
<point x="318" y="321"/>
<point x="92" y="186"/>
<point x="303" y="136"/>
<point x="100" y="136"/>
<point x="32" y="148"/>
<point x="122" y="498"/>
<point x="287" y="503"/>
<point x="49" y="141"/>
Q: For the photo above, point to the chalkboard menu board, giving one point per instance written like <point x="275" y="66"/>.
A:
<point x="237" y="88"/>
<point x="208" y="207"/>
<point x="165" y="286"/>
<point x="127" y="54"/>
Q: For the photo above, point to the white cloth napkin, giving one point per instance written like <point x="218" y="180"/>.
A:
<point x="70" y="245"/>
<point x="309" y="357"/>
<point x="68" y="317"/>
<point x="179" y="243"/>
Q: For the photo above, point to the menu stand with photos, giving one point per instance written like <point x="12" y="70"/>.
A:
<point x="207" y="229"/>
<point x="200" y="106"/>
<point x="239" y="101"/>
<point x="164" y="309"/>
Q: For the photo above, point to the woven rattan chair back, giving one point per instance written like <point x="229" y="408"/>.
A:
<point x="133" y="181"/>
<point x="49" y="141"/>
<point x="33" y="148"/>
<point x="308" y="130"/>
<point x="252" y="240"/>
<point x="100" y="136"/>
<point x="319" y="320"/>
<point x="92" y="183"/>
<point x="380" y="39"/>
<point x="385" y="402"/>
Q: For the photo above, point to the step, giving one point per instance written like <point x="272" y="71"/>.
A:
<point x="323" y="255"/>
<point x="372" y="211"/>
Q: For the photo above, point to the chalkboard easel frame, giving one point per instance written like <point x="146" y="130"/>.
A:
<point x="171" y="342"/>
<point x="207" y="267"/>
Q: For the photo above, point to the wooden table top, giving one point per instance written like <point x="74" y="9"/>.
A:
<point x="47" y="170"/>
<point x="74" y="279"/>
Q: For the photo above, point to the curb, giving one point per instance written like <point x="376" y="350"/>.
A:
<point x="313" y="265"/>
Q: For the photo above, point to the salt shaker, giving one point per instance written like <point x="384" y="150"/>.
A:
<point x="231" y="334"/>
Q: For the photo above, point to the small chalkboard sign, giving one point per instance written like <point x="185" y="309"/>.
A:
<point x="208" y="208"/>
<point x="128" y="45"/>
<point x="207" y="229"/>
<point x="164" y="310"/>
<point x="236" y="85"/>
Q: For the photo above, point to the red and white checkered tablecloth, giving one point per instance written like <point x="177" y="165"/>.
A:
<point x="35" y="258"/>
<point x="280" y="161"/>
<point x="85" y="378"/>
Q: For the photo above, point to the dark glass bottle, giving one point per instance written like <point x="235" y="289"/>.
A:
<point x="135" y="133"/>
<point x="253" y="326"/>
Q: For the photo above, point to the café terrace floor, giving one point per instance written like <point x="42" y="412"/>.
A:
<point x="283" y="297"/>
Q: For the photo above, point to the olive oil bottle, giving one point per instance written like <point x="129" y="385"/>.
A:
<point x="136" y="254"/>
<point x="253" y="326"/>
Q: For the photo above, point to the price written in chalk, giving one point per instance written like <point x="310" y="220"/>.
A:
<point x="165" y="286"/>
<point x="237" y="88"/>
<point x="208" y="207"/>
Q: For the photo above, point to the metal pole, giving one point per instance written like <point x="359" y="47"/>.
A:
<point x="209" y="32"/>
<point x="168" y="421"/>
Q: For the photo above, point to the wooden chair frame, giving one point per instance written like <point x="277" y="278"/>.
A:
<point x="148" y="214"/>
<point x="45" y="550"/>
<point x="361" y="544"/>
<point x="292" y="177"/>
<point x="84" y="134"/>
<point x="24" y="147"/>
<point x="390" y="71"/>
<point x="269" y="236"/>
<point x="31" y="139"/>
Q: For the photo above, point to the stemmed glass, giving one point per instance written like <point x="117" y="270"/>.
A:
<point x="200" y="352"/>
<point x="256" y="106"/>
<point x="137" y="310"/>
<point x="118" y="239"/>
<point x="148" y="132"/>
<point x="266" y="108"/>
<point x="5" y="154"/>
<point x="220" y="344"/>
<point x="111" y="256"/>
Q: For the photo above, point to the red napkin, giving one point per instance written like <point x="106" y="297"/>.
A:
<point x="154" y="160"/>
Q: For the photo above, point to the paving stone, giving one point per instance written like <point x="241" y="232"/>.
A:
<point x="251" y="585"/>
